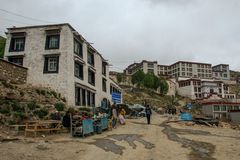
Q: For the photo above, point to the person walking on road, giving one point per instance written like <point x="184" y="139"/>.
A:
<point x="114" y="115"/>
<point x="148" y="113"/>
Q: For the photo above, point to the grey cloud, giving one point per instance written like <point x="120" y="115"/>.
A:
<point x="131" y="30"/>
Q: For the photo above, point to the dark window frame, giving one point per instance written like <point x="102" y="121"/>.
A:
<point x="80" y="76"/>
<point x="104" y="68"/>
<point x="93" y="77"/>
<point x="13" y="41"/>
<point x="47" y="44"/>
<point x="75" y="41"/>
<point x="104" y="85"/>
<point x="90" y="58"/>
<point x="12" y="58"/>
<point x="45" y="67"/>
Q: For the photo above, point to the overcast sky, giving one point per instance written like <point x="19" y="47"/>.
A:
<point x="127" y="31"/>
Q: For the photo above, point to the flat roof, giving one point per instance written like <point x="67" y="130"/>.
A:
<point x="220" y="65"/>
<point x="190" y="63"/>
<point x="57" y="25"/>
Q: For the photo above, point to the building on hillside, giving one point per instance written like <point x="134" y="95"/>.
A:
<point x="203" y="88"/>
<point x="235" y="76"/>
<point x="57" y="56"/>
<point x="145" y="66"/>
<point x="190" y="70"/>
<point x="221" y="72"/>
<point x="182" y="69"/>
<point x="218" y="108"/>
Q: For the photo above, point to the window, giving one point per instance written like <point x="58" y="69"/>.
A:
<point x="16" y="59"/>
<point x="78" y="72"/>
<point x="51" y="64"/>
<point x="91" y="77"/>
<point x="216" y="108"/>
<point x="84" y="97"/>
<point x="103" y="68"/>
<point x="52" y="41"/>
<point x="195" y="89"/>
<point x="78" y="48"/>
<point x="223" y="108"/>
<point x="17" y="44"/>
<point x="104" y="85"/>
<point x="211" y="91"/>
<point x="77" y="96"/>
<point x="150" y="71"/>
<point x="90" y="57"/>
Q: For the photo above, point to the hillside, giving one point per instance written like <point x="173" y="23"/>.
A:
<point x="25" y="102"/>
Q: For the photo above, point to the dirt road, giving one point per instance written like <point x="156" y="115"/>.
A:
<point x="136" y="140"/>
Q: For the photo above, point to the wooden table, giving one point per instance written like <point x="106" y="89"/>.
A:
<point x="42" y="126"/>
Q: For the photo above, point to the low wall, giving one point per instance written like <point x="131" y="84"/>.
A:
<point x="12" y="72"/>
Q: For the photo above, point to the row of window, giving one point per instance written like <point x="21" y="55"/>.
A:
<point x="17" y="44"/>
<point x="84" y="97"/>
<point x="225" y="108"/>
<point x="78" y="72"/>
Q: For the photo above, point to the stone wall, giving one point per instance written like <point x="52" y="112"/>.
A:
<point x="12" y="73"/>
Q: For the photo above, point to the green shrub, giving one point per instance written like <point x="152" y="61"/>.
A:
<point x="32" y="105"/>
<point x="41" y="113"/>
<point x="5" y="109"/>
<point x="71" y="109"/>
<point x="17" y="107"/>
<point x="38" y="91"/>
<point x="59" y="106"/>
<point x="43" y="92"/>
<point x="54" y="94"/>
<point x="20" y="115"/>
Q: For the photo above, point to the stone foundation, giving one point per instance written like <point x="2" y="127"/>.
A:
<point x="12" y="72"/>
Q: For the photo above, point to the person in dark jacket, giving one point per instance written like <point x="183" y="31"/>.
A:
<point x="148" y="113"/>
<point x="66" y="120"/>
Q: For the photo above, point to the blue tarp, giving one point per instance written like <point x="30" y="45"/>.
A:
<point x="87" y="126"/>
<point x="186" y="116"/>
<point x="104" y="123"/>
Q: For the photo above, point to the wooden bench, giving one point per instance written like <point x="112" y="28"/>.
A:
<point x="16" y="127"/>
<point x="42" y="126"/>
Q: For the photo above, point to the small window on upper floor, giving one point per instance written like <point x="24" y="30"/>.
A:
<point x="17" y="44"/>
<point x="78" y="48"/>
<point x="91" y="77"/>
<point x="90" y="57"/>
<point x="52" y="41"/>
<point x="104" y="68"/>
<point x="78" y="72"/>
<point x="104" y="85"/>
<point x="51" y="64"/>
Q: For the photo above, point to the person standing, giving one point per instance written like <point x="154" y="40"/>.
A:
<point x="148" y="113"/>
<point x="114" y="116"/>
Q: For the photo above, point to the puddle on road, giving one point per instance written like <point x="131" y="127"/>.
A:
<point x="200" y="150"/>
<point x="131" y="138"/>
<point x="107" y="144"/>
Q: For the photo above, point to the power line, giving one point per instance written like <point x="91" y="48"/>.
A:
<point x="10" y="20"/>
<point x="26" y="17"/>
